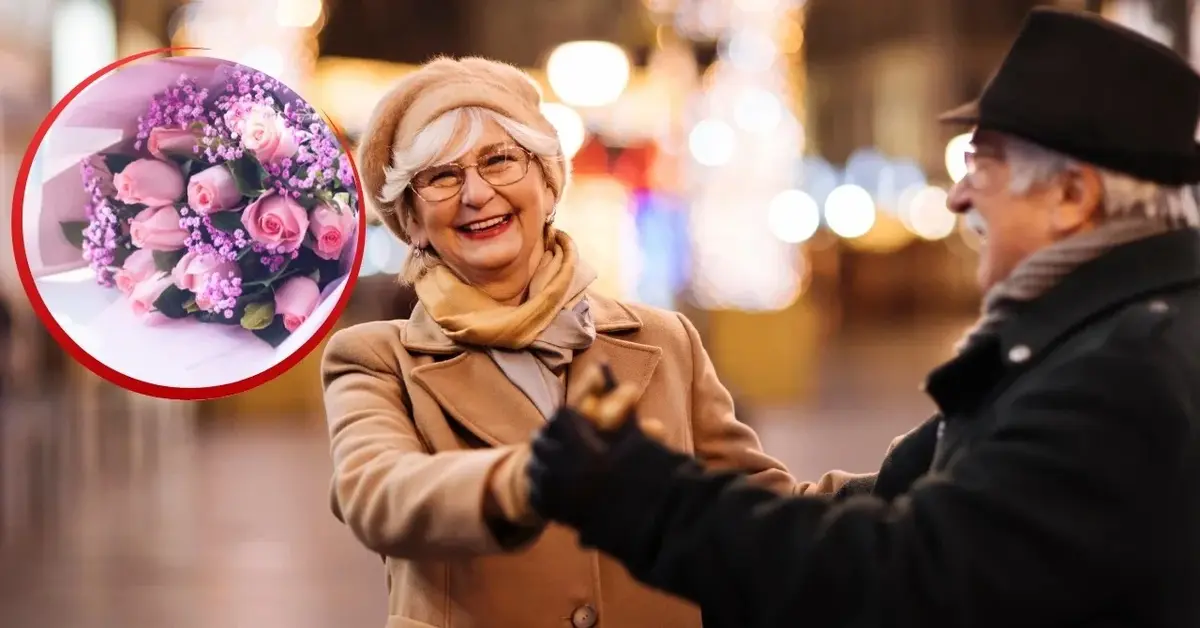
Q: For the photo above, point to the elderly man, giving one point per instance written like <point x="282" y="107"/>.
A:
<point x="1063" y="487"/>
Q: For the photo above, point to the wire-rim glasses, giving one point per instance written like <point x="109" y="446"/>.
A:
<point x="498" y="166"/>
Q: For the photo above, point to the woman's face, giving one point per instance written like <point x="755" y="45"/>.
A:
<point x="485" y="212"/>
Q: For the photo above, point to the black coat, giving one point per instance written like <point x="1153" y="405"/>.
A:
<point x="1056" y="487"/>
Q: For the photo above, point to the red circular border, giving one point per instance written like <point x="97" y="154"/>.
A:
<point x="98" y="367"/>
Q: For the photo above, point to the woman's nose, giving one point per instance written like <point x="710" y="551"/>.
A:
<point x="475" y="191"/>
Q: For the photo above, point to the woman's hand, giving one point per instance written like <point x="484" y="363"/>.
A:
<point x="582" y="442"/>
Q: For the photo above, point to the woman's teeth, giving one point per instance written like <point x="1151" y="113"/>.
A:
<point x="484" y="225"/>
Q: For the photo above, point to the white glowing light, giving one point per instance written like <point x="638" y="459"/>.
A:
<point x="83" y="40"/>
<point x="751" y="51"/>
<point x="793" y="216"/>
<point x="569" y="125"/>
<point x="956" y="152"/>
<point x="297" y="13"/>
<point x="758" y="111"/>
<point x="711" y="142"/>
<point x="265" y="59"/>
<point x="928" y="216"/>
<point x="850" y="211"/>
<point x="588" y="73"/>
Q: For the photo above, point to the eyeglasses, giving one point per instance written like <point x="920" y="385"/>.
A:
<point x="500" y="166"/>
<point x="977" y="178"/>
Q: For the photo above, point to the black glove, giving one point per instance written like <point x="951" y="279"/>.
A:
<point x="570" y="461"/>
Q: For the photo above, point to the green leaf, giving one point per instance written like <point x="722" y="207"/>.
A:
<point x="171" y="302"/>
<point x="117" y="162"/>
<point x="227" y="221"/>
<point x="276" y="276"/>
<point x="275" y="333"/>
<point x="186" y="165"/>
<point x="258" y="316"/>
<point x="120" y="254"/>
<point x="166" y="261"/>
<point x="248" y="174"/>
<point x="73" y="232"/>
<point x="343" y="200"/>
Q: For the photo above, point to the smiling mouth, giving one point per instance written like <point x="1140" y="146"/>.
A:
<point x="482" y="226"/>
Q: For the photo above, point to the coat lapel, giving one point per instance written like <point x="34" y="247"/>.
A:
<point x="630" y="361"/>
<point x="474" y="391"/>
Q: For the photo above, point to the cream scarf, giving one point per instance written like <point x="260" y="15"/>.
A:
<point x="1044" y="269"/>
<point x="531" y="343"/>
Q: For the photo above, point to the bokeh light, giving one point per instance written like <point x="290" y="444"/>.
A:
<point x="956" y="156"/>
<point x="711" y="142"/>
<point x="588" y="73"/>
<point x="569" y="125"/>
<point x="849" y="211"/>
<point x="793" y="216"/>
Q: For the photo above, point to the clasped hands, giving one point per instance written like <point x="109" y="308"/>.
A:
<point x="583" y="444"/>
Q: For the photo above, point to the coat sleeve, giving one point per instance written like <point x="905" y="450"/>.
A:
<point x="722" y="442"/>
<point x="398" y="499"/>
<point x="1049" y="517"/>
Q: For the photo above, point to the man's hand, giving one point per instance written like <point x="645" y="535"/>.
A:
<point x="575" y="449"/>
<point x="609" y="404"/>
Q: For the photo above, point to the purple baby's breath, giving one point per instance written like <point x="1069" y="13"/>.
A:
<point x="100" y="235"/>
<point x="204" y="237"/>
<point x="178" y="107"/>
<point x="219" y="294"/>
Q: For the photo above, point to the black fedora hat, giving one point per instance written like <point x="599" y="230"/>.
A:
<point x="1090" y="89"/>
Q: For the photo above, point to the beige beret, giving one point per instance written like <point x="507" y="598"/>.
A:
<point x="419" y="98"/>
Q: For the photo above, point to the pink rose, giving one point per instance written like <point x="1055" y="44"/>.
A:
<point x="276" y="221"/>
<point x="332" y="229"/>
<point x="194" y="269"/>
<point x="137" y="268"/>
<point x="146" y="292"/>
<point x="149" y="182"/>
<point x="163" y="140"/>
<point x="157" y="229"/>
<point x="213" y="190"/>
<point x="265" y="133"/>
<point x="295" y="300"/>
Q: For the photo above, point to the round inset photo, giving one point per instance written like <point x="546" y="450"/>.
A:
<point x="187" y="227"/>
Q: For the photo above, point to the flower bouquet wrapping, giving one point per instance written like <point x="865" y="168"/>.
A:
<point x="219" y="199"/>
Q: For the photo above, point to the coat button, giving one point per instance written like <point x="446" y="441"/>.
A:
<point x="584" y="617"/>
<point x="1019" y="354"/>
<point x="1159" y="307"/>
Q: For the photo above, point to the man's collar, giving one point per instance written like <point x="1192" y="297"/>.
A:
<point x="1125" y="274"/>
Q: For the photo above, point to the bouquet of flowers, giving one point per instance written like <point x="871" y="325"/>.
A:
<point x="232" y="204"/>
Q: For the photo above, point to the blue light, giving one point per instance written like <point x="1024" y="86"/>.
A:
<point x="665" y="245"/>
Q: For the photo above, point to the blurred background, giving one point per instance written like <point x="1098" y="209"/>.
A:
<point x="771" y="168"/>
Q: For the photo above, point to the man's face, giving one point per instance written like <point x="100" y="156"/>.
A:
<point x="1013" y="226"/>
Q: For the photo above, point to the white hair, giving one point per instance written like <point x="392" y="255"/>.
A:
<point x="431" y="142"/>
<point x="1124" y="195"/>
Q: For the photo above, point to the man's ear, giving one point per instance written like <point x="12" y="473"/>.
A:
<point x="1081" y="203"/>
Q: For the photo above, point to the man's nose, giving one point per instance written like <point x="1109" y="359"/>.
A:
<point x="958" y="200"/>
<point x="475" y="191"/>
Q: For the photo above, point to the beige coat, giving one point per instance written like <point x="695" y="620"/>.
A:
<point x="411" y="471"/>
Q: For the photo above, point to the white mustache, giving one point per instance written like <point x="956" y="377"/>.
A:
<point x="976" y="223"/>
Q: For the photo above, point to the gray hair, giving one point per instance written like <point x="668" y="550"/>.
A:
<point x="1124" y="195"/>
<point x="430" y="143"/>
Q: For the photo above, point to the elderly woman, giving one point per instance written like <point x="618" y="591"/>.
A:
<point x="430" y="419"/>
<point x="1063" y="486"/>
